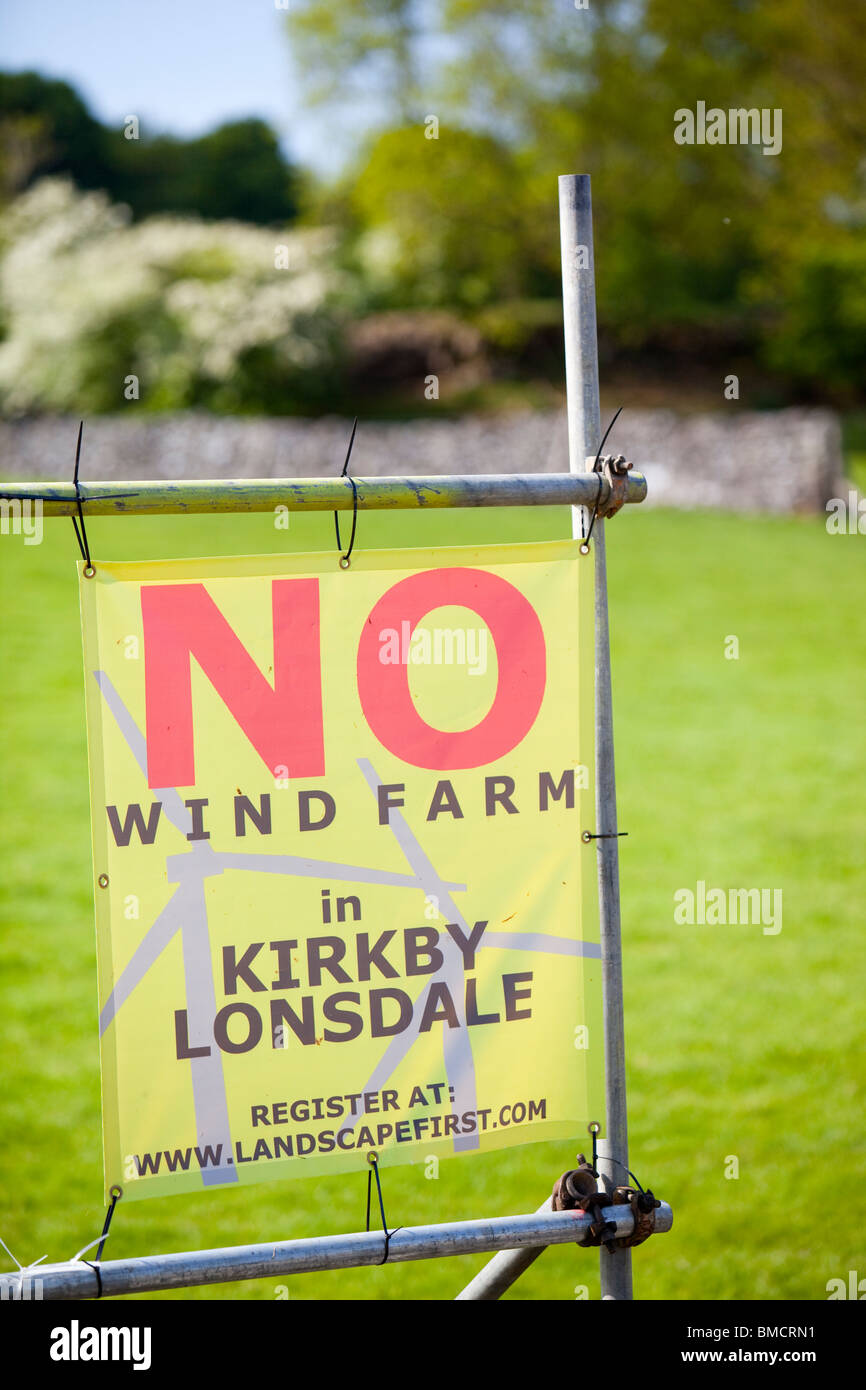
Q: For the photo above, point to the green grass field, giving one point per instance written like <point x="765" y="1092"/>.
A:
<point x="742" y="773"/>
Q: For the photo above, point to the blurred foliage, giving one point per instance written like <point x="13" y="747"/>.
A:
<point x="211" y="314"/>
<point x="379" y="37"/>
<point x="45" y="128"/>
<point x="236" y="171"/>
<point x="710" y="258"/>
<point x="440" y="223"/>
<point x="716" y="251"/>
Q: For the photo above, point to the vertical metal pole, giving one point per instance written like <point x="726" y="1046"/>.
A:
<point x="584" y="434"/>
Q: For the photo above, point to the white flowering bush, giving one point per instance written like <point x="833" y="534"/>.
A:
<point x="216" y="314"/>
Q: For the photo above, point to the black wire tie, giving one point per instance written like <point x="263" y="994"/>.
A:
<point x="115" y="1193"/>
<point x="81" y="536"/>
<point x="584" y="547"/>
<point x="373" y="1161"/>
<point x="345" y="559"/>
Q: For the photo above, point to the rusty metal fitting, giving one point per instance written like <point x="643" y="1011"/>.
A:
<point x="615" y="468"/>
<point x="643" y="1207"/>
<point x="572" y="1188"/>
<point x="578" y="1190"/>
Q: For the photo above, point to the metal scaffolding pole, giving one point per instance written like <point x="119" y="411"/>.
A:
<point x="315" y="494"/>
<point x="77" y="1279"/>
<point x="584" y="436"/>
<point x="500" y="1273"/>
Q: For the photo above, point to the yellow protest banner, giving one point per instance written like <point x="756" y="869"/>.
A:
<point x="342" y="902"/>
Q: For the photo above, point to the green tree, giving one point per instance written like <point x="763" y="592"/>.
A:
<point x="236" y="171"/>
<point x="702" y="249"/>
<point x="45" y="128"/>
<point x="369" y="48"/>
<point x="442" y="225"/>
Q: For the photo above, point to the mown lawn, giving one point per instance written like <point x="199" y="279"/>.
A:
<point x="746" y="773"/>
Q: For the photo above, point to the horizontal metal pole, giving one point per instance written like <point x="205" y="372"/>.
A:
<point x="320" y="494"/>
<point x="75" y="1279"/>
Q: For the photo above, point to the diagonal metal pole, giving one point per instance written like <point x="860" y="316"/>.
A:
<point x="584" y="434"/>
<point x="491" y="1282"/>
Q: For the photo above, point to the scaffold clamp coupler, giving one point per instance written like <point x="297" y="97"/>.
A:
<point x="615" y="469"/>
